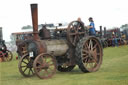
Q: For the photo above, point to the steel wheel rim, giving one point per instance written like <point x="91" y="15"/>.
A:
<point x="91" y="54"/>
<point x="26" y="66"/>
<point x="44" y="66"/>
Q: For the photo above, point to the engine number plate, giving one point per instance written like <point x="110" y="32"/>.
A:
<point x="31" y="54"/>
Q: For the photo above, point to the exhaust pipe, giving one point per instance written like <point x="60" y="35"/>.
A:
<point x="34" y="12"/>
<point x="101" y="31"/>
<point x="1" y="35"/>
<point x="105" y="32"/>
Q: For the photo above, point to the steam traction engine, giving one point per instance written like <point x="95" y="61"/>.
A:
<point x="5" y="55"/>
<point x="60" y="49"/>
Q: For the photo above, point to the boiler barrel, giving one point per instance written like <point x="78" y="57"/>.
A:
<point x="54" y="47"/>
<point x="57" y="47"/>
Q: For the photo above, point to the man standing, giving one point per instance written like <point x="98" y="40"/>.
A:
<point x="91" y="27"/>
<point x="79" y="19"/>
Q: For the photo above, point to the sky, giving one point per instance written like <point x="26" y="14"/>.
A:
<point x="14" y="14"/>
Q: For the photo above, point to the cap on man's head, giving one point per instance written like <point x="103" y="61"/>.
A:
<point x="90" y="18"/>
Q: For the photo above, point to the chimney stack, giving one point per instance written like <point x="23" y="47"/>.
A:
<point x="101" y="31"/>
<point x="34" y="12"/>
<point x="105" y="32"/>
<point x="1" y="34"/>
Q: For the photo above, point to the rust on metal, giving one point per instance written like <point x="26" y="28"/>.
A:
<point x="75" y="31"/>
<point x="21" y="33"/>
<point x="44" y="33"/>
<point x="90" y="53"/>
<point x="41" y="46"/>
<point x="34" y="12"/>
<point x="69" y="46"/>
<point x="45" y="69"/>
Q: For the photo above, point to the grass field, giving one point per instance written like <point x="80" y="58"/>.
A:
<point x="114" y="71"/>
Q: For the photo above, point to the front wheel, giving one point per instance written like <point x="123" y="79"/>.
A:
<point x="44" y="66"/>
<point x="26" y="66"/>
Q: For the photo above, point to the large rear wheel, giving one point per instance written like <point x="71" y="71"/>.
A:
<point x="89" y="54"/>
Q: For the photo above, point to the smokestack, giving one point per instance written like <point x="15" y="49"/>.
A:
<point x="105" y="32"/>
<point x="100" y="31"/>
<point x="34" y="12"/>
<point x="1" y="34"/>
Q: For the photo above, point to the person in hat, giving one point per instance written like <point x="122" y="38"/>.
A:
<point x="91" y="27"/>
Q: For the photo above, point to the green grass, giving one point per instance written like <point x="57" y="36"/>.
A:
<point x="114" y="71"/>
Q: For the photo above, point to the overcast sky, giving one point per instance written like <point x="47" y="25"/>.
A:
<point x="14" y="14"/>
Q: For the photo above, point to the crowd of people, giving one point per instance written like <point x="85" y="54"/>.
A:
<point x="92" y="31"/>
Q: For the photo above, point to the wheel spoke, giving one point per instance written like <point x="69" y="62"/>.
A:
<point x="24" y="62"/>
<point x="75" y="28"/>
<point x="81" y="33"/>
<point x="95" y="46"/>
<point x="90" y="44"/>
<point x="84" y="55"/>
<point x="71" y="34"/>
<point x="78" y="37"/>
<point x="39" y="67"/>
<point x="85" y="58"/>
<point x="87" y="46"/>
<point x="74" y="41"/>
<point x="31" y="70"/>
<point x="85" y="51"/>
<point x="23" y="66"/>
<point x="51" y="64"/>
<point x="95" y="61"/>
<point x="90" y="52"/>
<point x="39" y="62"/>
<point x="78" y="27"/>
<point x="45" y="69"/>
<point x="25" y="69"/>
<point x="43" y="59"/>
